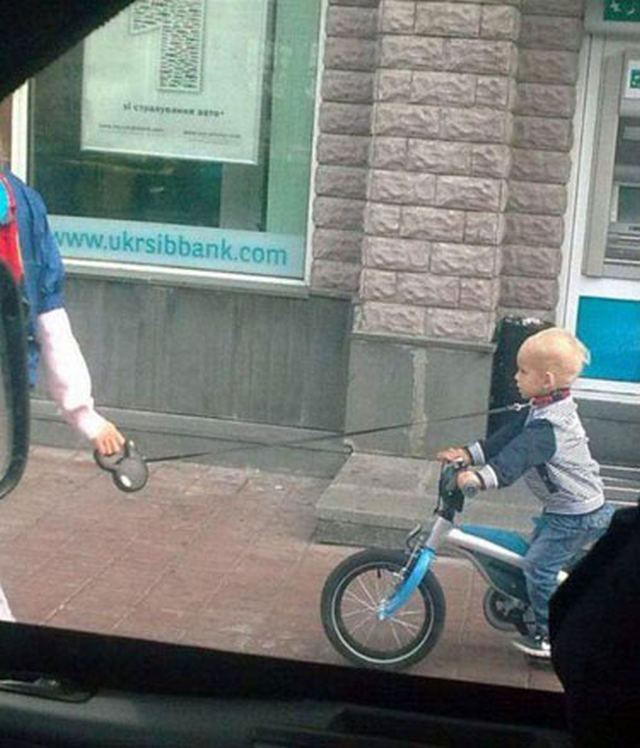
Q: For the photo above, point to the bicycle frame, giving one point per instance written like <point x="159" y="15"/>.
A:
<point x="444" y="532"/>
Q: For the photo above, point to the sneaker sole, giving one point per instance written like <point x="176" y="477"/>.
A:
<point x="536" y="653"/>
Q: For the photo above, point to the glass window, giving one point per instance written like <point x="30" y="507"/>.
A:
<point x="180" y="135"/>
<point x="623" y="237"/>
<point x="610" y="328"/>
<point x="613" y="240"/>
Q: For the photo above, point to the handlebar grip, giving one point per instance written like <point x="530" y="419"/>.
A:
<point x="469" y="491"/>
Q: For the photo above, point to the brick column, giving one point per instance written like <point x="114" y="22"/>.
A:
<point x="440" y="159"/>
<point x="549" y="43"/>
<point x="343" y="146"/>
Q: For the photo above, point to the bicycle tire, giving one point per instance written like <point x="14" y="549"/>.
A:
<point x="429" y="593"/>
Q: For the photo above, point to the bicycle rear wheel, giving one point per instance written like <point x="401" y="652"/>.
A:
<point x="350" y="600"/>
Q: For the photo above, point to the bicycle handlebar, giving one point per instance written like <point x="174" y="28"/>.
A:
<point x="451" y="497"/>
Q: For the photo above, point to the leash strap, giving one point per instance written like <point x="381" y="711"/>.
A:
<point x="129" y="470"/>
<point x="514" y="407"/>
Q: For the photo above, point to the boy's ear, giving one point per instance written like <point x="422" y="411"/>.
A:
<point x="549" y="381"/>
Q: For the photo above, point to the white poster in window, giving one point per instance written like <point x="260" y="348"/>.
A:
<point x="177" y="79"/>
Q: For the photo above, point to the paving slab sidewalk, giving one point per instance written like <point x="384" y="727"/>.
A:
<point x="211" y="556"/>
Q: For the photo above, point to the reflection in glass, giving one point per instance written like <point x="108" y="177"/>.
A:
<point x="270" y="195"/>
<point x="623" y="239"/>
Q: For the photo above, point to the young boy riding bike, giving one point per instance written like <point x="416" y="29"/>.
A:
<point x="547" y="445"/>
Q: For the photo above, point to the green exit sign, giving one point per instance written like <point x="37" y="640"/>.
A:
<point x="634" y="78"/>
<point x="622" y="10"/>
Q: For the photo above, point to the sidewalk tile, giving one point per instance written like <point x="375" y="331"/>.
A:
<point x="213" y="556"/>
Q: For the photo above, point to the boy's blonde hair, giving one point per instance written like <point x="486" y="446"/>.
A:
<point x="559" y="352"/>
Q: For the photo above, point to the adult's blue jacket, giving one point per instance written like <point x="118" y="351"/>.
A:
<point x="43" y="269"/>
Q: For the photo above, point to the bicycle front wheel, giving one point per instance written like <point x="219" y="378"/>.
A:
<point x="350" y="600"/>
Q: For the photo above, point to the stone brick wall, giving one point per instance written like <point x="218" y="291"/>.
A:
<point x="439" y="167"/>
<point x="445" y="131"/>
<point x="343" y="144"/>
<point x="544" y="106"/>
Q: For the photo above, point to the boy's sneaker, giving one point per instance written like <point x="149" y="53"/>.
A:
<point x="534" y="645"/>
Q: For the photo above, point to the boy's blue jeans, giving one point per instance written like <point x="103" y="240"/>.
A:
<point x="555" y="541"/>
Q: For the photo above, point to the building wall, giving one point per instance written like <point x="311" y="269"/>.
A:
<point x="344" y="143"/>
<point x="446" y="129"/>
<point x="549" y="43"/>
<point x="188" y="369"/>
<point x="463" y="114"/>
<point x="440" y="193"/>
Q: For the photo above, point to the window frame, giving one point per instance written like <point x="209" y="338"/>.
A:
<point x="595" y="262"/>
<point x="22" y="143"/>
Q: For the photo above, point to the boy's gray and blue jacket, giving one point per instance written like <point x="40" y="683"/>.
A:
<point x="548" y="446"/>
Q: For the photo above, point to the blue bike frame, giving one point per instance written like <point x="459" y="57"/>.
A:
<point x="462" y="539"/>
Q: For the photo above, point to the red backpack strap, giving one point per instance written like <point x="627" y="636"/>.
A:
<point x="9" y="239"/>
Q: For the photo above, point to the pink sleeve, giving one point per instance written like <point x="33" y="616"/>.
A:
<point x="67" y="377"/>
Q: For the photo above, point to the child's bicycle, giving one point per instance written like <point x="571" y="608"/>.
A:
<point x="386" y="609"/>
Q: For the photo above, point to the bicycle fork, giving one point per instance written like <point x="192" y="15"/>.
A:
<point x="419" y="569"/>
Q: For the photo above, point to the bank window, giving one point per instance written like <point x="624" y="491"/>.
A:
<point x="179" y="136"/>
<point x="613" y="239"/>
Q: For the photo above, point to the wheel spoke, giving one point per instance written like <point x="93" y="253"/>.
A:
<point x="377" y="581"/>
<point x="371" y="630"/>
<point x="366" y="591"/>
<point x="360" y="625"/>
<point x="352" y="595"/>
<point x="394" y="632"/>
<point x="351" y="613"/>
<point x="396" y="623"/>
<point x="403" y="624"/>
<point x="404" y="613"/>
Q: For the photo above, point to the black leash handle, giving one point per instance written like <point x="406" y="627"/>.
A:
<point x="128" y="467"/>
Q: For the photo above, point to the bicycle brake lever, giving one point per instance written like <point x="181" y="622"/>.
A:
<point x="448" y="474"/>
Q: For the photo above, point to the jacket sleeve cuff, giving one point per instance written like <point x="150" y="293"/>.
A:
<point x="488" y="476"/>
<point x="476" y="453"/>
<point x="51" y="303"/>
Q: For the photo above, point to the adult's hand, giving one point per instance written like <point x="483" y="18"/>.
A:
<point x="108" y="440"/>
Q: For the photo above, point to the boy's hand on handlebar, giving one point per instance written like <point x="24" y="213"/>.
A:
<point x="108" y="440"/>
<point x="468" y="478"/>
<point x="453" y="454"/>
